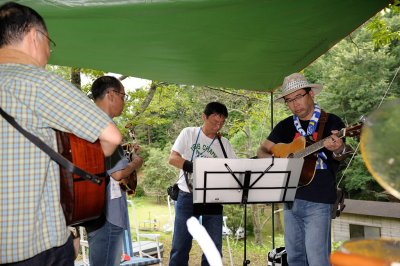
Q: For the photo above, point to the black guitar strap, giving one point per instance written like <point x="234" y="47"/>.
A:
<point x="53" y="154"/>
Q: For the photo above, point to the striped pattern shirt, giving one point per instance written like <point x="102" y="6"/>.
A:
<point x="31" y="217"/>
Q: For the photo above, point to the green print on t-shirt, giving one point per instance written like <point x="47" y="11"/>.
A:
<point x="205" y="149"/>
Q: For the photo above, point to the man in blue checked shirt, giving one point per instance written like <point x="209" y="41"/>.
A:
<point x="33" y="230"/>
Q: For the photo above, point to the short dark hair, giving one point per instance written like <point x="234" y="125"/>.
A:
<point x="216" y="108"/>
<point x="16" y="20"/>
<point x="102" y="85"/>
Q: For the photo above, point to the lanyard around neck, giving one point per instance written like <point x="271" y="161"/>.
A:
<point x="195" y="144"/>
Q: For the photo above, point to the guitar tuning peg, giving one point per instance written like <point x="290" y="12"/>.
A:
<point x="365" y="121"/>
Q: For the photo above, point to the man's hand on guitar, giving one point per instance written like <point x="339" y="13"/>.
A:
<point x="135" y="148"/>
<point x="264" y="151"/>
<point x="337" y="146"/>
<point x="334" y="143"/>
<point x="129" y="182"/>
<point x="136" y="162"/>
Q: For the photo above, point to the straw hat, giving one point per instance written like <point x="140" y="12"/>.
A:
<point x="295" y="82"/>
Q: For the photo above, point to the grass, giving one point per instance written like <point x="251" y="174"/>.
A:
<point x="148" y="210"/>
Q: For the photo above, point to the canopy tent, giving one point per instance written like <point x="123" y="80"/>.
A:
<point x="246" y="44"/>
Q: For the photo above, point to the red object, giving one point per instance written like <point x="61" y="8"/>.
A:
<point x="125" y="257"/>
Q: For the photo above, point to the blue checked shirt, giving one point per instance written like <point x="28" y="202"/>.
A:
<point x="31" y="217"/>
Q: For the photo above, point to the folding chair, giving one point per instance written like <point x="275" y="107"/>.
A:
<point x="140" y="257"/>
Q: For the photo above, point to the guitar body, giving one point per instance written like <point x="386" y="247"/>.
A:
<point x="81" y="200"/>
<point x="130" y="183"/>
<point x="308" y="171"/>
<point x="283" y="150"/>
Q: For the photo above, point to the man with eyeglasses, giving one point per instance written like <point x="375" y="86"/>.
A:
<point x="33" y="229"/>
<point x="105" y="236"/>
<point x="308" y="219"/>
<point x="192" y="143"/>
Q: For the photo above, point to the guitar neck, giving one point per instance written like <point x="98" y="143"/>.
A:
<point x="314" y="147"/>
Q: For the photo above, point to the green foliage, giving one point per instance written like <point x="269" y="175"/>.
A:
<point x="144" y="152"/>
<point x="139" y="192"/>
<point x="356" y="74"/>
<point x="336" y="245"/>
<point x="163" y="118"/>
<point x="354" y="82"/>
<point x="359" y="184"/>
<point x="235" y="216"/>
<point x="64" y="72"/>
<point x="383" y="32"/>
<point x="158" y="174"/>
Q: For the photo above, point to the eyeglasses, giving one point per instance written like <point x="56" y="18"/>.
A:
<point x="297" y="98"/>
<point x="125" y="96"/>
<point x="52" y="44"/>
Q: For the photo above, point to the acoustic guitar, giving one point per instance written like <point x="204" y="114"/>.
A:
<point x="81" y="199"/>
<point x="306" y="148"/>
<point x="129" y="184"/>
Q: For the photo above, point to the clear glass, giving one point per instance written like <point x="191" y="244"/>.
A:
<point x="380" y="146"/>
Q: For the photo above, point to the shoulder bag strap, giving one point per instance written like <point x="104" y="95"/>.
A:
<point x="47" y="149"/>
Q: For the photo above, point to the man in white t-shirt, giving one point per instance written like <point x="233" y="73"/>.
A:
<point x="192" y="143"/>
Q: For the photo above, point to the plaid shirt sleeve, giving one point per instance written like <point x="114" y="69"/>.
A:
<point x="31" y="217"/>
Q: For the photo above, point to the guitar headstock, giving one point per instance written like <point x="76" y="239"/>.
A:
<point x="131" y="131"/>
<point x="133" y="147"/>
<point x="352" y="131"/>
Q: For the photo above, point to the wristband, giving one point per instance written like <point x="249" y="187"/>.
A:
<point x="337" y="155"/>
<point x="188" y="166"/>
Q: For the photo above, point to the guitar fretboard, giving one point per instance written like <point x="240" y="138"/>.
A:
<point x="315" y="146"/>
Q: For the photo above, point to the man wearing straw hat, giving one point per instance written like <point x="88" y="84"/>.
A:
<point x="308" y="219"/>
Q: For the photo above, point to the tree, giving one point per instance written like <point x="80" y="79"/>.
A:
<point x="356" y="74"/>
<point x="382" y="32"/>
<point x="158" y="174"/>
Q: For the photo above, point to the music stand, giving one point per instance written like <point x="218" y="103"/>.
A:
<point x="244" y="181"/>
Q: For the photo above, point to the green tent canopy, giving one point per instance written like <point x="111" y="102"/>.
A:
<point x="244" y="44"/>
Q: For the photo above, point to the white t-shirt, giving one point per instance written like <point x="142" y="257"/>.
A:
<point x="205" y="147"/>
